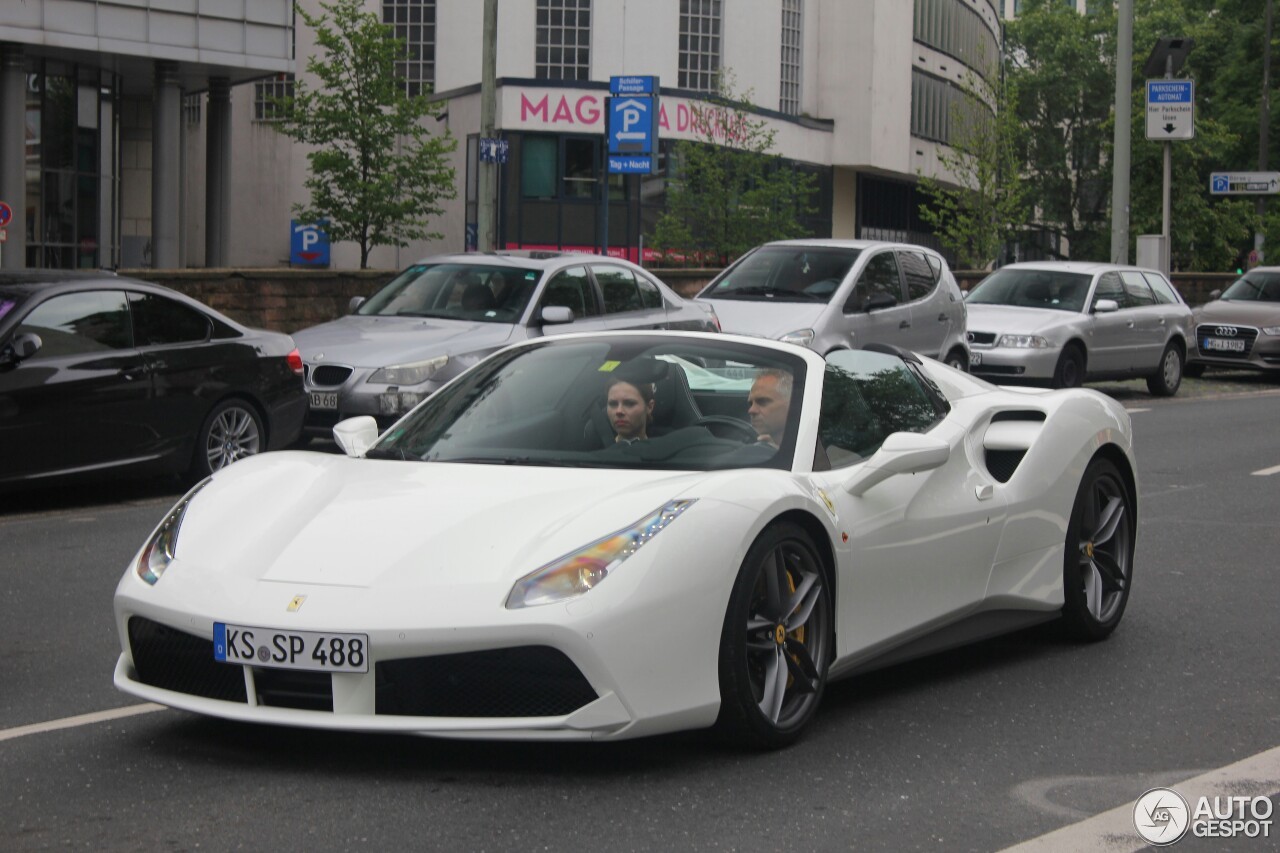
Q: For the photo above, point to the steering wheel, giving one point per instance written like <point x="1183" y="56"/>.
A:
<point x="724" y="426"/>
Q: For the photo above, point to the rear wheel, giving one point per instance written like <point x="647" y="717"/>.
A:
<point x="1165" y="381"/>
<point x="958" y="359"/>
<point x="1070" y="370"/>
<point x="232" y="431"/>
<point x="777" y="640"/>
<point x="1097" y="570"/>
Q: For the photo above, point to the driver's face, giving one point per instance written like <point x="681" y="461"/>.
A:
<point x="768" y="409"/>
<point x="628" y="412"/>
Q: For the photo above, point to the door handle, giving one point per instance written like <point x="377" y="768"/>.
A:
<point x="905" y="324"/>
<point x="132" y="373"/>
<point x="942" y="318"/>
<point x="1130" y="324"/>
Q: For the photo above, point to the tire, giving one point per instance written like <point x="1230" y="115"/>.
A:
<point x="1070" y="370"/>
<point x="777" y="641"/>
<point x="958" y="359"/>
<point x="1097" y="571"/>
<point x="1193" y="370"/>
<point x="232" y="431"/>
<point x="1165" y="381"/>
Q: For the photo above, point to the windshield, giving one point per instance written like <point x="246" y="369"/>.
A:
<point x="792" y="273"/>
<point x="620" y="402"/>
<point x="488" y="294"/>
<point x="1255" y="287"/>
<point x="1058" y="290"/>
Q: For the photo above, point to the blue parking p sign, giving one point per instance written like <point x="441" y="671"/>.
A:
<point x="308" y="244"/>
<point x="632" y="123"/>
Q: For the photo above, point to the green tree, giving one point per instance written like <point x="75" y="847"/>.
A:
<point x="377" y="175"/>
<point x="983" y="205"/>
<point x="729" y="191"/>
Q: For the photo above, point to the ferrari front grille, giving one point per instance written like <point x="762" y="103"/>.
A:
<point x="170" y="659"/>
<point x="525" y="681"/>
<point x="304" y="691"/>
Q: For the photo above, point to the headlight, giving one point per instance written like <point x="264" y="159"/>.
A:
<point x="1023" y="342"/>
<point x="576" y="573"/>
<point x="803" y="337"/>
<point x="408" y="374"/>
<point x="1271" y="330"/>
<point x="163" y="545"/>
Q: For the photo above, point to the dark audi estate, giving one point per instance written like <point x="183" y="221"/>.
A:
<point x="101" y="373"/>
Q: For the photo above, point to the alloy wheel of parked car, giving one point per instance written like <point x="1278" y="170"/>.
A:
<point x="776" y="643"/>
<point x="232" y="431"/>
<point x="1165" y="381"/>
<point x="1070" y="370"/>
<point x="1098" y="565"/>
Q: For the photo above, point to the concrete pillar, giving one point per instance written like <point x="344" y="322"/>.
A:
<point x="166" y="166"/>
<point x="13" y="176"/>
<point x="217" y="174"/>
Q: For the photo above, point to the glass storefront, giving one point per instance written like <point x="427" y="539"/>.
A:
<point x="72" y="176"/>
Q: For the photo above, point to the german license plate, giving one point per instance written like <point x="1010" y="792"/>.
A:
<point x="1222" y="345"/>
<point x="280" y="649"/>
<point x="975" y="358"/>
<point x="324" y="399"/>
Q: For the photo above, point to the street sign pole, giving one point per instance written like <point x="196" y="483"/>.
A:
<point x="1168" y="184"/>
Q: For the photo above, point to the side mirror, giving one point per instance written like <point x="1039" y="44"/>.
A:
<point x="21" y="348"/>
<point x="556" y="315"/>
<point x="901" y="453"/>
<point x="1214" y="294"/>
<point x="877" y="301"/>
<point x="356" y="435"/>
<point x="1106" y="306"/>
<point x="356" y="302"/>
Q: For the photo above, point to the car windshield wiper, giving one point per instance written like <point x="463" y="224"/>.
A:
<point x="761" y="290"/>
<point x="434" y="314"/>
<point x="512" y="460"/>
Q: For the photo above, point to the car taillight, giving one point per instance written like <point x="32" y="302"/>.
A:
<point x="295" y="361"/>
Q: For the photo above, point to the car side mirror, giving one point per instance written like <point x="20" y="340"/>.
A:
<point x="1106" y="306"/>
<point x="556" y="315"/>
<point x="354" y="304"/>
<point x="356" y="435"/>
<point x="1214" y="294"/>
<point x="901" y="453"/>
<point x="877" y="301"/>
<point x="21" y="348"/>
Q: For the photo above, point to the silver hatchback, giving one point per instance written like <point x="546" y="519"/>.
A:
<point x="1059" y="323"/>
<point x="443" y="314"/>
<point x="844" y="294"/>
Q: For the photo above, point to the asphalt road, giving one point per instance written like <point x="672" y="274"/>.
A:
<point x="975" y="749"/>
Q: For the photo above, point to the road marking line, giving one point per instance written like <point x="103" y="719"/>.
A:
<point x="1135" y="411"/>
<point x="81" y="720"/>
<point x="1267" y="472"/>
<point x="1113" y="831"/>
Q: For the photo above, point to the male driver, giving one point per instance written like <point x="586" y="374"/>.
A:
<point x="768" y="403"/>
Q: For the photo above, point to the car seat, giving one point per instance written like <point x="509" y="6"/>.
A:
<point x="477" y="297"/>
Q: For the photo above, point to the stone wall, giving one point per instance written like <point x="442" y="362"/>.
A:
<point x="287" y="300"/>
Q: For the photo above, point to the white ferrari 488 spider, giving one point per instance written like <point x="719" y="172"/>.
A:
<point x="614" y="535"/>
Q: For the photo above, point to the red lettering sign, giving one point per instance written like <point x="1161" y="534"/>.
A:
<point x="538" y="109"/>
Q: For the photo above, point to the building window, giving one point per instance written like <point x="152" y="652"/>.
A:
<point x="792" y="36"/>
<point x="563" y="47"/>
<point x="952" y="27"/>
<point x="700" y="44"/>
<point x="191" y="108"/>
<point x="266" y="93"/>
<point x="414" y="22"/>
<point x="936" y="104"/>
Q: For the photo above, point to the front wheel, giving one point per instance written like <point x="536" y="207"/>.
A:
<point x="1070" y="370"/>
<point x="1097" y="570"/>
<point x="1165" y="381"/>
<point x="232" y="431"/>
<point x="777" y="640"/>
<point x="958" y="359"/>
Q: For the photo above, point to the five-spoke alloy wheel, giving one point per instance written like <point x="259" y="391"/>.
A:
<point x="1098" y="566"/>
<point x="777" y="640"/>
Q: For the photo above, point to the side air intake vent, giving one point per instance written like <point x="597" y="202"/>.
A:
<point x="1008" y="438"/>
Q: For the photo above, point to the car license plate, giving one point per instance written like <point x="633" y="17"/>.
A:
<point x="975" y="358"/>
<point x="280" y="649"/>
<point x="1222" y="345"/>
<point x="324" y="399"/>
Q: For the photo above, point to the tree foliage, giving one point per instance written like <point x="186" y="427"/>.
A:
<point x="729" y="191"/>
<point x="985" y="205"/>
<point x="377" y="175"/>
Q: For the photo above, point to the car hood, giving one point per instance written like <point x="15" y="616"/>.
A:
<point x="1242" y="313"/>
<point x="321" y="519"/>
<point x="379" y="341"/>
<point x="1018" y="321"/>
<point x="765" y="318"/>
